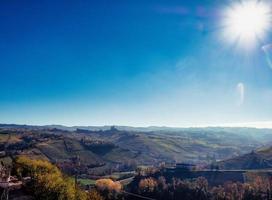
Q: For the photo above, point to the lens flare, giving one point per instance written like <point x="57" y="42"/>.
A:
<point x="268" y="54"/>
<point x="241" y="92"/>
<point x="247" y="22"/>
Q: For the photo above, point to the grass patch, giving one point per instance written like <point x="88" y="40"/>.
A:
<point x="86" y="181"/>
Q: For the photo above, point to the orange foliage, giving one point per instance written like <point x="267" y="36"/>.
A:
<point x="148" y="184"/>
<point x="108" y="184"/>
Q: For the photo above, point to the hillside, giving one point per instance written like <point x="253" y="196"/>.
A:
<point x="185" y="145"/>
<point x="122" y="149"/>
<point x="260" y="159"/>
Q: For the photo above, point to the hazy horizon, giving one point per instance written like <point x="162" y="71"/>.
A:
<point x="257" y="125"/>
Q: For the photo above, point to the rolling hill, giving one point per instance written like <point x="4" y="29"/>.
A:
<point x="124" y="147"/>
<point x="259" y="159"/>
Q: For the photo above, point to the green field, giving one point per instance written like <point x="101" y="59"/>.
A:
<point x="86" y="181"/>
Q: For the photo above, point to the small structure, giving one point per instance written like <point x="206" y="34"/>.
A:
<point x="7" y="181"/>
<point x="12" y="183"/>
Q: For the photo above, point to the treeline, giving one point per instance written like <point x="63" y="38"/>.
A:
<point x="48" y="183"/>
<point x="198" y="189"/>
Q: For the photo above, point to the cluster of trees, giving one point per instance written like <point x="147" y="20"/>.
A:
<point x="110" y="190"/>
<point x="198" y="189"/>
<point x="48" y="183"/>
<point x="97" y="146"/>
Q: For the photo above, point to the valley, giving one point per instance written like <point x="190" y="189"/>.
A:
<point x="117" y="149"/>
<point x="128" y="155"/>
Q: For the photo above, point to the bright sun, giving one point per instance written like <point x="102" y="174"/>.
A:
<point x="247" y="22"/>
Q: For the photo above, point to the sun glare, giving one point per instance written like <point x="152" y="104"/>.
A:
<point x="247" y="22"/>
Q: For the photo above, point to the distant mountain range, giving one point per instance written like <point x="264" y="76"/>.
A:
<point x="143" y="129"/>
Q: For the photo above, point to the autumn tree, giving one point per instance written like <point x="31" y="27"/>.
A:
<point x="94" y="195"/>
<point x="47" y="181"/>
<point x="109" y="188"/>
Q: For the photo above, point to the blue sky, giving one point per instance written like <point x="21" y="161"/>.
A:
<point x="138" y="63"/>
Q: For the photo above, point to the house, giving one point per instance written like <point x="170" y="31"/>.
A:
<point x="7" y="181"/>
